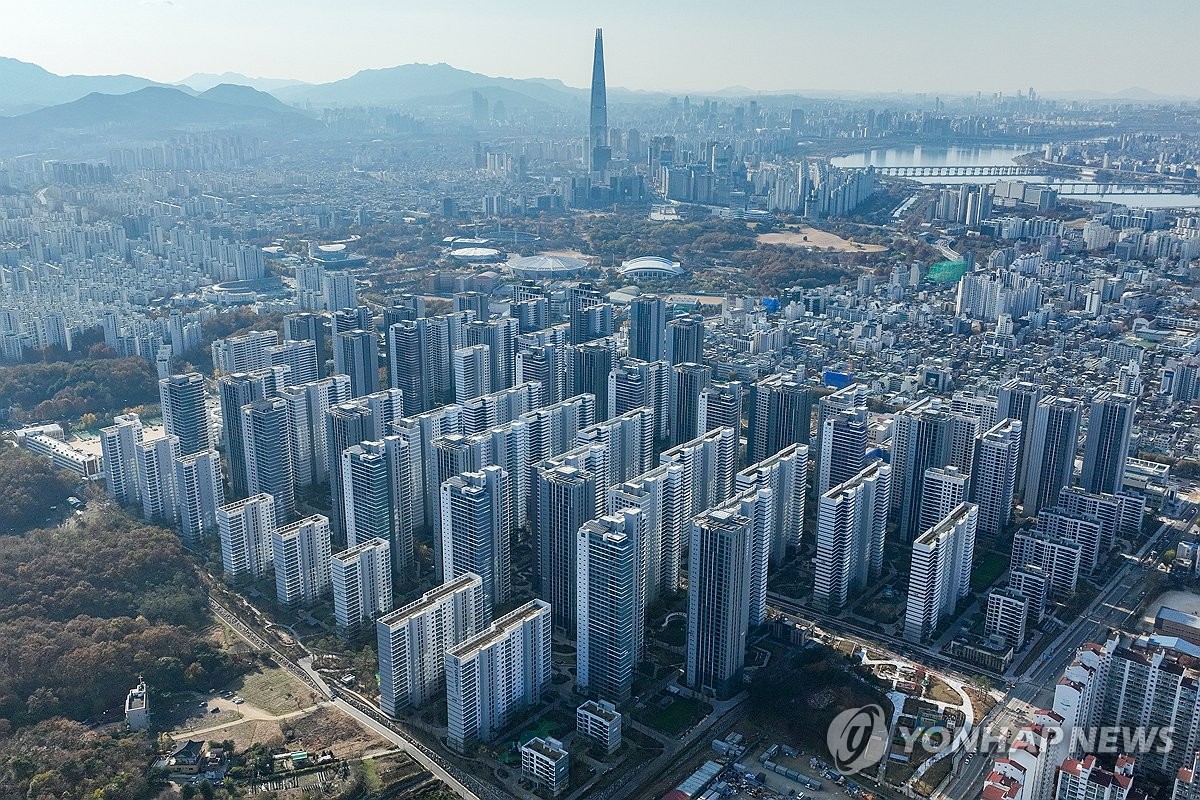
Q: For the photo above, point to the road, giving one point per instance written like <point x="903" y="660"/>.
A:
<point x="1034" y="689"/>
<point x="365" y="714"/>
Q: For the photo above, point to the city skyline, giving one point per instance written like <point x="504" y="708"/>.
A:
<point x="712" y="51"/>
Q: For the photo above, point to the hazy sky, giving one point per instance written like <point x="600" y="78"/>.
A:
<point x="921" y="45"/>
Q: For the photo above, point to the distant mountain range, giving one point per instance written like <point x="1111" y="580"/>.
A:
<point x="25" y="86"/>
<point x="415" y="84"/>
<point x="154" y="109"/>
<point x="202" y="81"/>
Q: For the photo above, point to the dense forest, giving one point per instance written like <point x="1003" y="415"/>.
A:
<point x="85" y="609"/>
<point x="67" y="390"/>
<point x="30" y="485"/>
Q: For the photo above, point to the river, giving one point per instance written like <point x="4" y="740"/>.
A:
<point x="992" y="156"/>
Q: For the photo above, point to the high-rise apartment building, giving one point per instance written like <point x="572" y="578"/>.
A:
<point x="497" y="673"/>
<point x="267" y="452"/>
<point x="476" y="531"/>
<point x="118" y="456"/>
<point x="1052" y="445"/>
<point x="301" y="554"/>
<point x="247" y="527"/>
<point x="994" y="475"/>
<point x="566" y="500"/>
<point x="779" y="414"/>
<point x="610" y="602"/>
<point x="362" y="583"/>
<point x="184" y="412"/>
<point x="647" y="327"/>
<point x="940" y="572"/>
<point x="199" y="492"/>
<point x="719" y="574"/>
<point x="851" y="532"/>
<point x="1106" y="444"/>
<point x="686" y="395"/>
<point x="413" y="641"/>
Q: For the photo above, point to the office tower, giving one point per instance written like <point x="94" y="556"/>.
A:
<point x="566" y="499"/>
<point x="380" y="483"/>
<point x="267" y="451"/>
<point x="199" y="492"/>
<point x="409" y="368"/>
<point x="476" y="531"/>
<point x="687" y="387"/>
<point x="340" y="290"/>
<point x="591" y="364"/>
<point x="301" y="554"/>
<point x="719" y="566"/>
<point x="413" y="641"/>
<point x="235" y="391"/>
<point x="1106" y="444"/>
<point x="308" y="409"/>
<point x="1006" y="615"/>
<point x="362" y="583"/>
<point x="546" y="764"/>
<point x="943" y="489"/>
<point x="779" y="414"/>
<point x="611" y="603"/>
<point x="598" y="149"/>
<point x="722" y="405"/>
<point x="156" y="478"/>
<point x="547" y="365"/>
<point x="299" y="356"/>
<point x="1019" y="400"/>
<point x="184" y="413"/>
<point x="245" y="353"/>
<point x="843" y="448"/>
<point x="500" y="671"/>
<point x="1051" y="456"/>
<point x="994" y="475"/>
<point x="246" y="528"/>
<point x="684" y="340"/>
<point x="940" y="573"/>
<point x="118" y="454"/>
<point x="590" y="315"/>
<point x="921" y="439"/>
<point x="309" y="328"/>
<point x="851" y="532"/>
<point x="358" y="352"/>
<point x="634" y="384"/>
<point x="647" y="327"/>
<point x="500" y="336"/>
<point x="786" y="475"/>
<point x="472" y="372"/>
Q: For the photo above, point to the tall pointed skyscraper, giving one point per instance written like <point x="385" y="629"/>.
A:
<point x="599" y="152"/>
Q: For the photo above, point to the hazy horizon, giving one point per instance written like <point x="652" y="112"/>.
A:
<point x="772" y="46"/>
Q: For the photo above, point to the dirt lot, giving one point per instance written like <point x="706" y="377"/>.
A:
<point x="795" y="235"/>
<point x="274" y="691"/>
